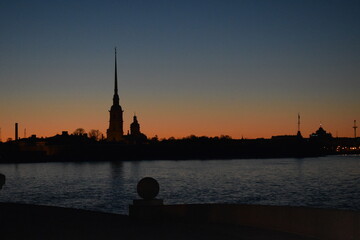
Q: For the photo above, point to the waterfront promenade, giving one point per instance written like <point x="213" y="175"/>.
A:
<point x="21" y="221"/>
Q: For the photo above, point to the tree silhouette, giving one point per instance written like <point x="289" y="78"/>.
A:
<point x="79" y="132"/>
<point x="95" y="134"/>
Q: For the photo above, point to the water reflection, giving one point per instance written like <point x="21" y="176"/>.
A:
<point x="117" y="169"/>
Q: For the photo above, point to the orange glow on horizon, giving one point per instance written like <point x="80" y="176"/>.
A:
<point x="241" y="117"/>
<point x="166" y="129"/>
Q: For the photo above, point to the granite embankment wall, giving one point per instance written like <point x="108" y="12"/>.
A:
<point x="311" y="222"/>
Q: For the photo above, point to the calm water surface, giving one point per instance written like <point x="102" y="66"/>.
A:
<point x="327" y="182"/>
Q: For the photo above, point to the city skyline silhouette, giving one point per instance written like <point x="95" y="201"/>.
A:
<point x="206" y="68"/>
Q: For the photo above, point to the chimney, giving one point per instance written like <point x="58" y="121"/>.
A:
<point x="16" y="131"/>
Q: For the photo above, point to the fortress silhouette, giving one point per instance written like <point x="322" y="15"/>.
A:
<point x="135" y="145"/>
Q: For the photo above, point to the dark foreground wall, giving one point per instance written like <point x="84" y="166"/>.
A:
<point x="317" y="223"/>
<point x="23" y="221"/>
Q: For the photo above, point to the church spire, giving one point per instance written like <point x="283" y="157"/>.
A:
<point x="116" y="87"/>
<point x="115" y="130"/>
<point x="116" y="95"/>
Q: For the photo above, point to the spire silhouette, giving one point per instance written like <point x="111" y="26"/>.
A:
<point x="115" y="130"/>
<point x="116" y="95"/>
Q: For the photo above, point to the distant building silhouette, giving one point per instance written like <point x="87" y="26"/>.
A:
<point x="321" y="134"/>
<point x="135" y="127"/>
<point x="135" y="135"/>
<point x="115" y="130"/>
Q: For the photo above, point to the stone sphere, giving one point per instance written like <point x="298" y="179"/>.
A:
<point x="148" y="188"/>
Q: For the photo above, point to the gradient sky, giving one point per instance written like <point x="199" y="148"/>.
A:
<point x="241" y="68"/>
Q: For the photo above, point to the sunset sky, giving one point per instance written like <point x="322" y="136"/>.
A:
<point x="238" y="68"/>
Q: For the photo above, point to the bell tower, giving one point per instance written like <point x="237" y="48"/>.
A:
<point x="115" y="131"/>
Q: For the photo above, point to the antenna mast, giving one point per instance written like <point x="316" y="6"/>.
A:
<point x="355" y="127"/>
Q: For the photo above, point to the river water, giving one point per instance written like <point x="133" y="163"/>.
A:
<point x="325" y="182"/>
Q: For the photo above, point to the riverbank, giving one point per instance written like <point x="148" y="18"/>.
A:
<point x="166" y="150"/>
<point x="65" y="147"/>
<point x="22" y="221"/>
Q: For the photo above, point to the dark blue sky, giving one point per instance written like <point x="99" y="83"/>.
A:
<point x="243" y="68"/>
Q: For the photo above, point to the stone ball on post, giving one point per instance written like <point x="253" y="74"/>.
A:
<point x="148" y="188"/>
